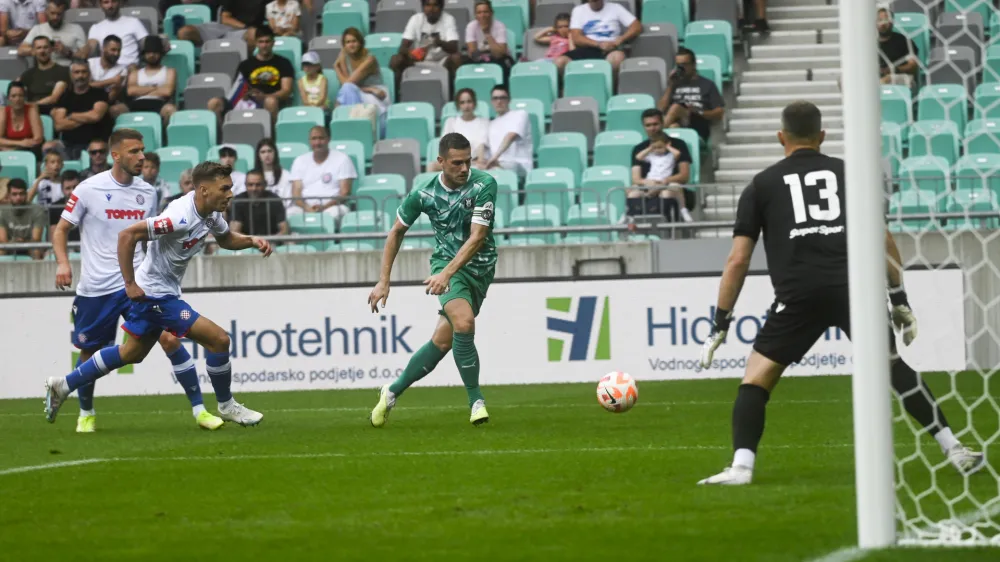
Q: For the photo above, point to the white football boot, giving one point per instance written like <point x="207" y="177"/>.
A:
<point x="238" y="413"/>
<point x="735" y="475"/>
<point x="56" y="391"/>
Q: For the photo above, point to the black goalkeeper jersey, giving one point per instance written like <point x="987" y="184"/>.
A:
<point x="798" y="203"/>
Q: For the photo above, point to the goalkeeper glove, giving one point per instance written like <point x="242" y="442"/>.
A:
<point x="720" y="327"/>
<point x="903" y="320"/>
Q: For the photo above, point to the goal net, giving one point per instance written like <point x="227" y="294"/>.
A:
<point x="941" y="152"/>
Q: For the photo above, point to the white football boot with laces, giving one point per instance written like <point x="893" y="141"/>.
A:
<point x="238" y="413"/>
<point x="735" y="475"/>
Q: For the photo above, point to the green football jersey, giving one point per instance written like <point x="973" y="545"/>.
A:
<point x="452" y="212"/>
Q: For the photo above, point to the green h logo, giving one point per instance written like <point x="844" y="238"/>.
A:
<point x="579" y="331"/>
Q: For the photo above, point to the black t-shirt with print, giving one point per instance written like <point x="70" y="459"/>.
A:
<point x="701" y="94"/>
<point x="251" y="12"/>
<point x="265" y="76"/>
<point x="895" y="50"/>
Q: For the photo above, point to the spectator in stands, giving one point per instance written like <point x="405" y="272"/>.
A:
<point x="313" y="87"/>
<point x="228" y="156"/>
<point x="691" y="100"/>
<point x="17" y="17"/>
<point x="20" y="123"/>
<point x="68" y="182"/>
<point x="152" y="87"/>
<point x="108" y="75"/>
<point x="186" y="182"/>
<point x="81" y="114"/>
<point x="283" y="16"/>
<point x="322" y="180"/>
<point x="21" y="222"/>
<point x="268" y="79"/>
<point x="469" y="125"/>
<point x="359" y="74"/>
<point x="278" y="180"/>
<point x="151" y="174"/>
<point x="897" y="60"/>
<point x="486" y="39"/>
<point x="430" y="36"/>
<point x="599" y="29"/>
<point x="662" y="166"/>
<point x="46" y="81"/>
<point x="48" y="184"/>
<point x="130" y="31"/>
<point x="68" y="39"/>
<point x="239" y="20"/>
<point x="556" y="37"/>
<point x="257" y="211"/>
<point x="97" y="151"/>
<point x="509" y="141"/>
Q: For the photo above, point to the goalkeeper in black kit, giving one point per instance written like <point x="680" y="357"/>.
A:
<point x="798" y="204"/>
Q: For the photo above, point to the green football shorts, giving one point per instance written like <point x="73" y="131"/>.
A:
<point x="463" y="285"/>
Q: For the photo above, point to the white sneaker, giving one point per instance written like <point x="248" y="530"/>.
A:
<point x="735" y="475"/>
<point x="966" y="460"/>
<point x="380" y="413"/>
<point x="238" y="413"/>
<point x="56" y="391"/>
<point x="686" y="214"/>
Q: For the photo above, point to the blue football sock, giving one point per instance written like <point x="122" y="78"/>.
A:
<point x="85" y="394"/>
<point x="102" y="363"/>
<point x="186" y="374"/>
<point x="221" y="374"/>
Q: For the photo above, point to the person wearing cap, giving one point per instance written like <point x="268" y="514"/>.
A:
<point x="152" y="87"/>
<point x="313" y="85"/>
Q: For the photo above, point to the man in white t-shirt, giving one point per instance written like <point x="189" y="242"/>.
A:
<point x="430" y="36"/>
<point x="598" y="29"/>
<point x="510" y="141"/>
<point x="107" y="74"/>
<point x="68" y="39"/>
<point x="17" y="17"/>
<point x="130" y="30"/>
<point x="322" y="179"/>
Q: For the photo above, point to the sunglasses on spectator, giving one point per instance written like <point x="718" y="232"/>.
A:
<point x="501" y="98"/>
<point x="98" y="151"/>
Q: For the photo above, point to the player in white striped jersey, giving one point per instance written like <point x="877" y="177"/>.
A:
<point x="102" y="206"/>
<point x="176" y="236"/>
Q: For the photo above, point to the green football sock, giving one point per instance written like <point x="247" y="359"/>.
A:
<point x="467" y="360"/>
<point x="420" y="365"/>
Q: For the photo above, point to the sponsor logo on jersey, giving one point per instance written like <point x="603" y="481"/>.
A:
<point x="71" y="204"/>
<point x="107" y="196"/>
<point x="487" y="212"/>
<point x="82" y="338"/>
<point x="140" y="199"/>
<point x="184" y="221"/>
<point x="185" y="314"/>
<point x="163" y="226"/>
<point x="192" y="243"/>
<point x="125" y="214"/>
<point x="809" y="231"/>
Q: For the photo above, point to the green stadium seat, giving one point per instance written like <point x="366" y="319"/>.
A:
<point x="667" y="11"/>
<point x="422" y="179"/>
<point x="363" y="222"/>
<point x="355" y="151"/>
<point x="311" y="224"/>
<point x="48" y="125"/>
<point x="414" y="120"/>
<point x="534" y="216"/>
<point x="605" y="185"/>
<point x="925" y="173"/>
<point x="341" y="14"/>
<point x="693" y="141"/>
<point x="294" y="123"/>
<point x="550" y="187"/>
<point x="332" y="87"/>
<point x="914" y="25"/>
<point x="535" y="80"/>
<point x="193" y="127"/>
<point x="177" y="159"/>
<point x="964" y="6"/>
<point x="147" y="123"/>
<point x="892" y="145"/>
<point x="507" y="191"/>
<point x="712" y="37"/>
<point x="480" y="78"/>
<point x="344" y="127"/>
<point x="710" y="66"/>
<point x="389" y="80"/>
<point x="514" y="15"/>
<point x="194" y="14"/>
<point x="19" y="164"/>
<point x="913" y="201"/>
<point x="181" y="58"/>
<point x="289" y="151"/>
<point x="991" y="63"/>
<point x="625" y="112"/>
<point x="978" y="171"/>
<point x="987" y="101"/>
<point x="943" y="102"/>
<point x="290" y="48"/>
<point x="935" y="138"/>
<point x="588" y="78"/>
<point x="614" y="148"/>
<point x="431" y="150"/>
<point x="383" y="45"/>
<point x="380" y="192"/>
<point x="973" y="201"/>
<point x="590" y="214"/>
<point x="897" y="105"/>
<point x="449" y="110"/>
<point x="982" y="136"/>
<point x="537" y="114"/>
<point x="244" y="155"/>
<point x="74" y="165"/>
<point x="566" y="150"/>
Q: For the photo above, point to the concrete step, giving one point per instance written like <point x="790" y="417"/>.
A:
<point x="827" y="74"/>
<point x="719" y="213"/>
<point x="798" y="51"/>
<point x="720" y="201"/>
<point x="792" y="62"/>
<point x="770" y="136"/>
<point x="800" y="37"/>
<point x="791" y="87"/>
<point x="781" y="100"/>
<point x="713" y="233"/>
<point x="801" y="24"/>
<point x="770" y="149"/>
<point x="773" y="113"/>
<point x="754" y="163"/>
<point x="722" y="189"/>
<point x="778" y="3"/>
<point x="800" y="11"/>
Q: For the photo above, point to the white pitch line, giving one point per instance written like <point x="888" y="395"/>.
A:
<point x="49" y="466"/>
<point x="846" y="554"/>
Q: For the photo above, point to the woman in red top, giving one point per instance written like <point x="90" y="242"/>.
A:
<point x="20" y="123"/>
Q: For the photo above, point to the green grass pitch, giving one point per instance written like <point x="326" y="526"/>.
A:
<point x="551" y="477"/>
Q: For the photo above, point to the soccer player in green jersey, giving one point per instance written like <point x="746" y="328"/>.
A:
<point x="460" y="205"/>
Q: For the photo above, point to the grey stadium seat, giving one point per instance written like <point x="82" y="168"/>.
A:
<point x="952" y="65"/>
<point x="391" y="16"/>
<point x="84" y="17"/>
<point x="547" y="10"/>
<point x="11" y="65"/>
<point x="961" y="30"/>
<point x="223" y="56"/>
<point x="246" y="126"/>
<point x="425" y="83"/>
<point x="579" y="115"/>
<point x="643" y="75"/>
<point x="931" y="8"/>
<point x="656" y="40"/>
<point x="327" y="47"/>
<point x="725" y="10"/>
<point x="149" y="17"/>
<point x="397" y="156"/>
<point x="533" y="51"/>
<point x="203" y="87"/>
<point x="627" y="4"/>
<point x="462" y="11"/>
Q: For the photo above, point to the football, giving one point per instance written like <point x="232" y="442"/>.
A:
<point x="617" y="392"/>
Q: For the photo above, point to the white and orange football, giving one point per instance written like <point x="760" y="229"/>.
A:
<point x="617" y="392"/>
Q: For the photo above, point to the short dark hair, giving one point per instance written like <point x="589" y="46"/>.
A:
<point x="685" y="51"/>
<point x="257" y="172"/>
<point x="59" y="3"/>
<point x="319" y="128"/>
<point x="70" y="175"/>
<point x="53" y="152"/>
<point x="651" y="112"/>
<point x="264" y="31"/>
<point x="659" y="136"/>
<point x="120" y="135"/>
<point x="227" y="151"/>
<point x="562" y="16"/>
<point x="209" y="171"/>
<point x="486" y="3"/>
<point x="425" y="2"/>
<point x="153" y="158"/>
<point x="15" y="84"/>
<point x="453" y="141"/>
<point x="502" y="88"/>
<point x="41" y="37"/>
<point x="801" y="120"/>
<point x="111" y="39"/>
<point x="17" y="183"/>
<point x="80" y="62"/>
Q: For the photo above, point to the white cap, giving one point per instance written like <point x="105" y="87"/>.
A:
<point x="312" y="57"/>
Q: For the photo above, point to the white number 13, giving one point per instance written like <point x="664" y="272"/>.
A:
<point x="828" y="193"/>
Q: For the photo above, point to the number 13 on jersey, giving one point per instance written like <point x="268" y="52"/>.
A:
<point x="826" y="180"/>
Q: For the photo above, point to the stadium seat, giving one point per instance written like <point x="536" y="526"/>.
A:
<point x="691" y="138"/>
<point x="666" y="11"/>
<point x="332" y="87"/>
<point x="194" y="128"/>
<point x="925" y="173"/>
<point x="625" y="112"/>
<point x="897" y="104"/>
<point x="578" y="115"/>
<point x="915" y="26"/>
<point x="345" y="127"/>
<point x="614" y="148"/>
<point x="391" y="16"/>
<point x="449" y="110"/>
<point x="535" y="80"/>
<point x="644" y="76"/>
<point x="84" y="17"/>
<point x="290" y="48"/>
<point x="389" y="80"/>
<point x="531" y="50"/>
<point x="327" y="47"/>
<point x="537" y="114"/>
<point x="953" y="65"/>
<point x="943" y="102"/>
<point x="605" y="184"/>
<point x="355" y="150"/>
<point x="657" y="40"/>
<point x="712" y="37"/>
<point x="480" y="78"/>
<point x="431" y="150"/>
<point x="987" y="101"/>
<point x="507" y="191"/>
<point x="973" y="201"/>
<point x="19" y="164"/>
<point x="462" y="11"/>
<point x="180" y="58"/>
<point x="222" y="56"/>
<point x="244" y="155"/>
<point x="177" y="159"/>
<point x="991" y="64"/>
<point x="193" y="14"/>
<point x="710" y="67"/>
<point x="383" y="45"/>
<point x="364" y="222"/>
<point x="148" y="15"/>
<point x="289" y="151"/>
<point x="425" y="84"/>
<point x="48" y="125"/>
<point x="294" y="123"/>
<point x="588" y="78"/>
<point x="962" y="30"/>
<point x="935" y="138"/>
<point x="588" y="214"/>
<point x="397" y="156"/>
<point x="341" y="14"/>
<point x="201" y="88"/>
<point x="11" y="66"/>
<point x="910" y="202"/>
<point x="547" y="10"/>
<point x="968" y="7"/>
<point x="566" y="150"/>
<point x="534" y="216"/>
<point x="423" y="179"/>
<point x="380" y="192"/>
<point x="247" y="126"/>
<point x="725" y="10"/>
<point x="514" y="15"/>
<point x="982" y="136"/>
<point x="412" y="120"/>
<point x="892" y="145"/>
<point x="149" y="124"/>
<point x="550" y="187"/>
<point x="312" y="224"/>
<point x="978" y="171"/>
